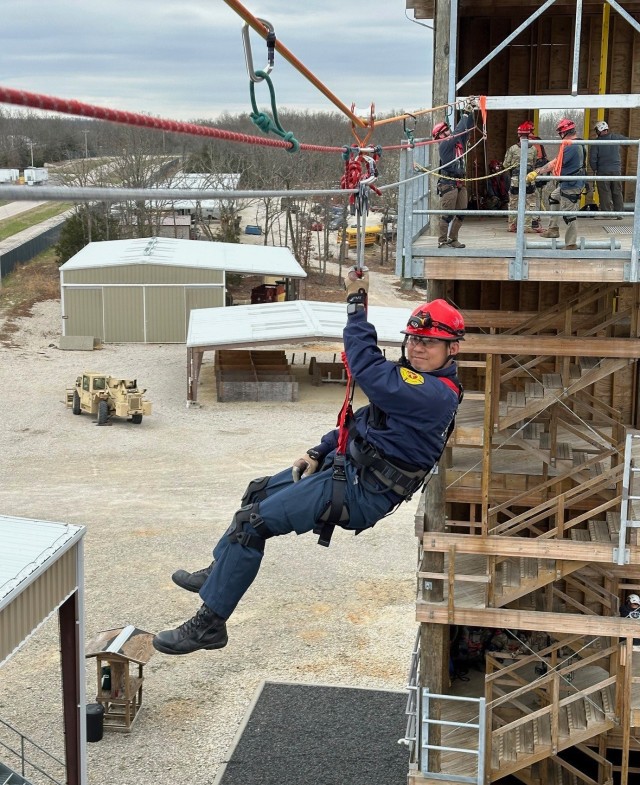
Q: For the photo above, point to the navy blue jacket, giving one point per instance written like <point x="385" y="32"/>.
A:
<point x="419" y="407"/>
<point x="452" y="147"/>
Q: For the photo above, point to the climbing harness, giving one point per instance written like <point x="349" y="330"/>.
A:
<point x="337" y="512"/>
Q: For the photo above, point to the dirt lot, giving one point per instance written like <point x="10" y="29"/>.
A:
<point x="153" y="498"/>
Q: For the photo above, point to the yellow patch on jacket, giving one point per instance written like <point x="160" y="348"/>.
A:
<point x="411" y="377"/>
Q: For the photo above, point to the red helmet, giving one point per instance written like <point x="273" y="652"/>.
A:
<point x="494" y="166"/>
<point x="436" y="319"/>
<point x="438" y="129"/>
<point x="526" y="128"/>
<point x="565" y="126"/>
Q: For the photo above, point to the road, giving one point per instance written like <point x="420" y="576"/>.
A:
<point x="15" y="208"/>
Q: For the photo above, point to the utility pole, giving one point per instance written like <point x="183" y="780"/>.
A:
<point x="30" y="143"/>
<point x="86" y="151"/>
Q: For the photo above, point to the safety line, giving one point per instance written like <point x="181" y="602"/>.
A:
<point x="9" y="95"/>
<point x="257" y="25"/>
<point x="420" y="112"/>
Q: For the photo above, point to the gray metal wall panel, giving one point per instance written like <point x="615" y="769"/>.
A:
<point x="202" y="298"/>
<point x="164" y="312"/>
<point x="123" y="314"/>
<point x="143" y="273"/>
<point x="83" y="309"/>
<point x="32" y="606"/>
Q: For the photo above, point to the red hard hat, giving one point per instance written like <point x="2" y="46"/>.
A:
<point x="565" y="126"/>
<point x="526" y="128"/>
<point x="436" y="319"/>
<point x="438" y="128"/>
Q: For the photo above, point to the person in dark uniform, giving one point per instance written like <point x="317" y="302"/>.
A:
<point x="393" y="444"/>
<point x="452" y="188"/>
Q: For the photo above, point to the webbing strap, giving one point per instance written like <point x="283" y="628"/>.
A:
<point x="334" y="513"/>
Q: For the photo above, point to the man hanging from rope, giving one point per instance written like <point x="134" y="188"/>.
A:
<point x="356" y="475"/>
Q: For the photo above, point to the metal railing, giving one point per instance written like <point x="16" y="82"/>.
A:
<point x="419" y="722"/>
<point x="478" y="752"/>
<point x="24" y="742"/>
<point x="412" y="710"/>
<point x="630" y="494"/>
<point x="414" y="217"/>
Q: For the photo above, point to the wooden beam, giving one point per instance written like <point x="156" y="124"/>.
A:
<point x="561" y="270"/>
<point x="501" y="618"/>
<point x="554" y="345"/>
<point x="523" y="547"/>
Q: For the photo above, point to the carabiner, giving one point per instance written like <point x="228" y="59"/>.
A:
<point x="408" y="132"/>
<point x="271" y="42"/>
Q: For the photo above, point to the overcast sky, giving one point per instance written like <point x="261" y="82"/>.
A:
<point x="184" y="60"/>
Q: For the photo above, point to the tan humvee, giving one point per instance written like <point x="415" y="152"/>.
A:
<point x="106" y="396"/>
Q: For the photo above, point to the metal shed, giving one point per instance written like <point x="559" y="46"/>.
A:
<point x="143" y="290"/>
<point x="41" y="572"/>
<point x="299" y="321"/>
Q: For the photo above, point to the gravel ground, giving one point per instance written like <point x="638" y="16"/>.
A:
<point x="155" y="497"/>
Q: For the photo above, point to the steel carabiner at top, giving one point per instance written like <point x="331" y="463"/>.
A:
<point x="271" y="42"/>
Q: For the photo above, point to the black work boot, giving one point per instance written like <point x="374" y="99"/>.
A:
<point x="205" y="630"/>
<point x="192" y="581"/>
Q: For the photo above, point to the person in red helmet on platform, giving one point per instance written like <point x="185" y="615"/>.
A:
<point x="566" y="196"/>
<point x="452" y="186"/>
<point x="393" y="444"/>
<point x="512" y="162"/>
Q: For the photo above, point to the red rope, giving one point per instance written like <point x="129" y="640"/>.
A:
<point x="73" y="107"/>
<point x="51" y="103"/>
<point x="346" y="412"/>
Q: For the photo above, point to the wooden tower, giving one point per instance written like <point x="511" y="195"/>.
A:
<point x="529" y="530"/>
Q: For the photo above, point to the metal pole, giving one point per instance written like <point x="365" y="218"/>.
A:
<point x="576" y="48"/>
<point x="635" y="238"/>
<point x="453" y="51"/>
<point x="518" y="268"/>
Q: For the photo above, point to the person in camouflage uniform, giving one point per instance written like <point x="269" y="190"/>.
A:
<point x="512" y="162"/>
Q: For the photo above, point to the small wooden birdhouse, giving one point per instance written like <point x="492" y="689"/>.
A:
<point x="117" y="654"/>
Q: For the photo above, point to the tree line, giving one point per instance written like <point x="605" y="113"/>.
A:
<point x="84" y="152"/>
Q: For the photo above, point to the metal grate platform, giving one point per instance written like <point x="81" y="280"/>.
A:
<point x="617" y="229"/>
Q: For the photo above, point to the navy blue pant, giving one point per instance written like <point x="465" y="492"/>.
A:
<point x="288" y="507"/>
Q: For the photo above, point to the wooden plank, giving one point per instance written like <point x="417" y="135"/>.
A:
<point x="468" y="268"/>
<point x="540" y="621"/>
<point x="552" y="345"/>
<point x="525" y="547"/>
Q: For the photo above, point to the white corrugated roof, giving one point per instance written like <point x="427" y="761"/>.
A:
<point x="26" y="544"/>
<point x="251" y="325"/>
<point x="198" y="181"/>
<point x="232" y="257"/>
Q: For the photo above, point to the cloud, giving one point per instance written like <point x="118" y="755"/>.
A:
<point x="185" y="60"/>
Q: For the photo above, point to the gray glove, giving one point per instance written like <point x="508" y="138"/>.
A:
<point x="472" y="104"/>
<point x="303" y="467"/>
<point x="353" y="283"/>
